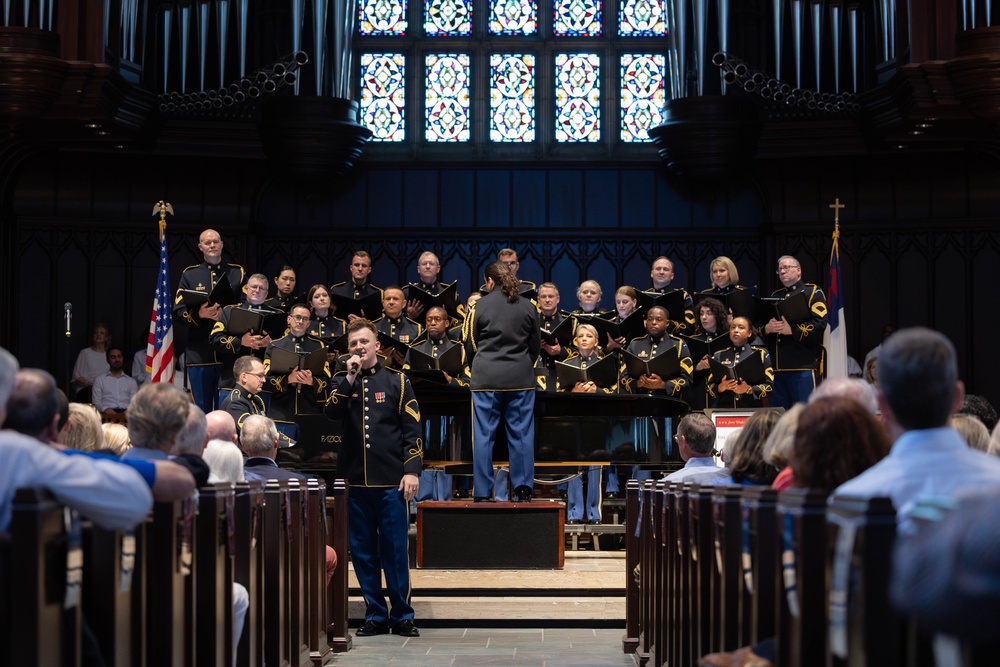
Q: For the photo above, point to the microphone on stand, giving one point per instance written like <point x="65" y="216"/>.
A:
<point x="68" y="308"/>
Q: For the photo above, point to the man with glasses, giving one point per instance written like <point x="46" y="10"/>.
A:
<point x="229" y="345"/>
<point x="203" y="368"/>
<point x="244" y="400"/>
<point x="796" y="348"/>
<point x="428" y="274"/>
<point x="300" y="392"/>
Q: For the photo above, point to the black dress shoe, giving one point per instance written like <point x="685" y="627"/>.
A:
<point x="483" y="499"/>
<point x="522" y="494"/>
<point x="406" y="629"/>
<point x="372" y="628"/>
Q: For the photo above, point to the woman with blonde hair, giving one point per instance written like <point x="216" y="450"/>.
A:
<point x="83" y="432"/>
<point x="724" y="276"/>
<point x="116" y="437"/>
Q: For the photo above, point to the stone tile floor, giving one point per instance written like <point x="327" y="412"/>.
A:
<point x="460" y="647"/>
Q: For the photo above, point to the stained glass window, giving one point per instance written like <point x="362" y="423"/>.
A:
<point x="447" y="97"/>
<point x="575" y="18"/>
<point x="642" y="95"/>
<point x="383" y="95"/>
<point x="578" y="97"/>
<point x="512" y="97"/>
<point x="382" y="17"/>
<point x="448" y="17"/>
<point x="641" y="18"/>
<point x="513" y="17"/>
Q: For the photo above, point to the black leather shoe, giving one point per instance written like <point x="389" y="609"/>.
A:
<point x="483" y="499"/>
<point x="522" y="494"/>
<point x="406" y="629"/>
<point x="372" y="628"/>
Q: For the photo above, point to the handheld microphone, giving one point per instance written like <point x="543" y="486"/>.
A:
<point x="68" y="308"/>
<point x="354" y="367"/>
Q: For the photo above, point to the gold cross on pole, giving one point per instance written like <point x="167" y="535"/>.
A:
<point x="836" y="206"/>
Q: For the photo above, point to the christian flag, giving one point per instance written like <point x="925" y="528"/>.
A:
<point x="160" y="344"/>
<point x="835" y="339"/>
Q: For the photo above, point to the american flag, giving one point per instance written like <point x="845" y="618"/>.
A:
<point x="160" y="345"/>
<point x="835" y="339"/>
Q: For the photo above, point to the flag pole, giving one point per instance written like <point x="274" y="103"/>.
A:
<point x="835" y="339"/>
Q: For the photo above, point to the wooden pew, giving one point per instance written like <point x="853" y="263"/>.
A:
<point x="761" y="564"/>
<point x="630" y="640"/>
<point x="337" y="633"/>
<point x="170" y="544"/>
<point x="213" y="576"/>
<point x="872" y="633"/>
<point x="41" y="631"/>
<point x="801" y="632"/>
<point x="315" y="544"/>
<point x="726" y="630"/>
<point x="682" y="624"/>
<point x="298" y="645"/>
<point x="248" y="568"/>
<point x="657" y="607"/>
<point x="702" y="563"/>
<point x="112" y="573"/>
<point x="644" y="650"/>
<point x="275" y="539"/>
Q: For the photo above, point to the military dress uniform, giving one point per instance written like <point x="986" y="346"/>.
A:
<point x="284" y="304"/>
<point x="679" y="327"/>
<point x="203" y="368"/>
<point x="436" y="484"/>
<point x="381" y="444"/>
<point x="753" y="399"/>
<point x="290" y="400"/>
<point x="353" y="291"/>
<point x="546" y="364"/>
<point x="798" y="358"/>
<point x="649" y="347"/>
<point x="229" y="346"/>
<point x="697" y="392"/>
<point x="503" y="341"/>
<point x="327" y="329"/>
<point x="241" y="404"/>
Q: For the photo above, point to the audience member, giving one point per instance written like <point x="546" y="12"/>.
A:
<point x="221" y="426"/>
<point x="979" y="407"/>
<point x="156" y="415"/>
<point x="116" y="438"/>
<point x="113" y="390"/>
<point x="778" y="447"/>
<point x="259" y="438"/>
<point x="696" y="444"/>
<point x="191" y="438"/>
<point x="972" y="431"/>
<point x="83" y="432"/>
<point x="836" y="439"/>
<point x="744" y="453"/>
<point x="919" y="390"/>
<point x="853" y="388"/>
<point x="91" y="363"/>
<point x="113" y="495"/>
<point x="225" y="461"/>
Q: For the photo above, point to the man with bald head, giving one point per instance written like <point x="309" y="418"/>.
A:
<point x="203" y="368"/>
<point x="221" y="426"/>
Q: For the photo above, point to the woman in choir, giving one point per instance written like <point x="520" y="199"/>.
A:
<point x="713" y="323"/>
<point x="725" y="277"/>
<point x="738" y="394"/>
<point x="589" y="295"/>
<point x="588" y="353"/>
<point x="323" y="324"/>
<point x="744" y="453"/>
<point x="626" y="301"/>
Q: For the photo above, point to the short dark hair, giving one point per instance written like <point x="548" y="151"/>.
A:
<point x="979" y="407"/>
<point x="107" y="352"/>
<point x="244" y="365"/>
<point x="698" y="431"/>
<point x="917" y="372"/>
<point x="33" y="403"/>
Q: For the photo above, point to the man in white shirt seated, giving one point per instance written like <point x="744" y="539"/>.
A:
<point x="113" y="390"/>
<point x="696" y="445"/>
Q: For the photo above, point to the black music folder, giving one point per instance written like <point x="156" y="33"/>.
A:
<point x="448" y="298"/>
<point x="741" y="302"/>
<point x="700" y="348"/>
<point x="284" y="362"/>
<point x="259" y="321"/>
<point x="368" y="307"/>
<point x="632" y="327"/>
<point x="450" y="362"/>
<point x="562" y="334"/>
<point x="666" y="365"/>
<point x="222" y="294"/>
<point x="751" y="370"/>
<point x="795" y="308"/>
<point x="603" y="373"/>
<point x="672" y="301"/>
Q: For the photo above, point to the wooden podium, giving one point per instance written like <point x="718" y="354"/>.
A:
<point x="465" y="535"/>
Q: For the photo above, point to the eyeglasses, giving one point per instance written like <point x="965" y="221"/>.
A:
<point x="783" y="269"/>
<point x="259" y="376"/>
<point x="256" y="288"/>
<point x="299" y="318"/>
